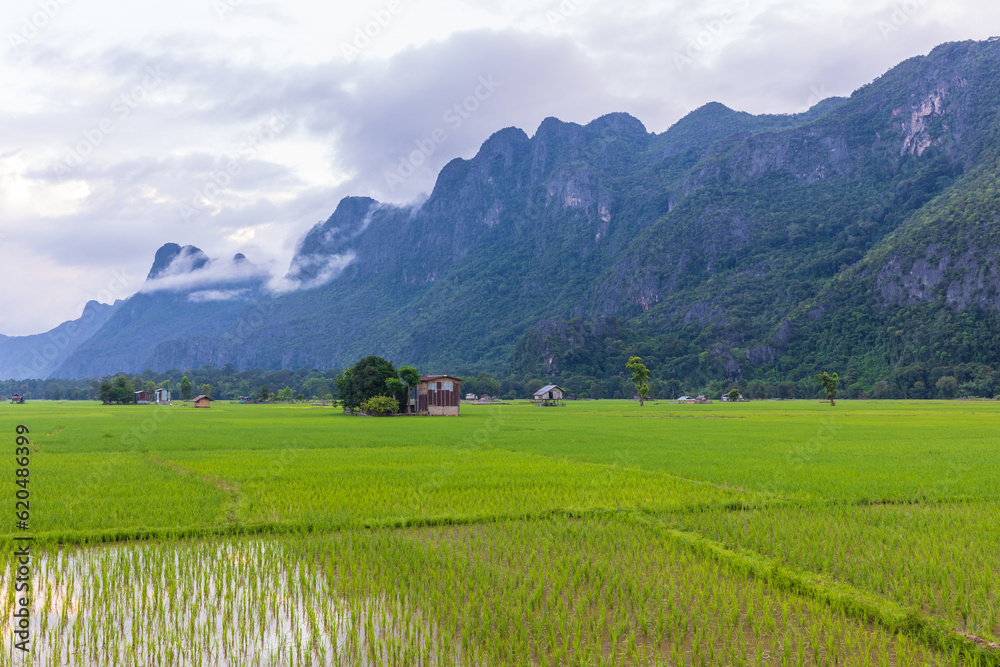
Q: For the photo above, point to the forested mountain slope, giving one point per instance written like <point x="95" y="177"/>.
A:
<point x="731" y="247"/>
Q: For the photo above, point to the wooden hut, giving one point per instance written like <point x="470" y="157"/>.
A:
<point x="439" y="396"/>
<point x="202" y="402"/>
<point x="142" y="398"/>
<point x="549" y="396"/>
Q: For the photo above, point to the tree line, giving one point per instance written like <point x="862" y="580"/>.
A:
<point x="915" y="381"/>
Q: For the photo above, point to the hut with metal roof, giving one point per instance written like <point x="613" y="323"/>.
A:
<point x="439" y="396"/>
<point x="549" y="396"/>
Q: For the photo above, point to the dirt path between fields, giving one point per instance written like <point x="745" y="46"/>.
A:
<point x="217" y="482"/>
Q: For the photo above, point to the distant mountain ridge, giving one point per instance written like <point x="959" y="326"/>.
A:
<point x="730" y="246"/>
<point x="38" y="356"/>
<point x="186" y="293"/>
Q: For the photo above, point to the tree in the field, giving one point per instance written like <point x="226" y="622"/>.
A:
<point x="104" y="391"/>
<point x="206" y="390"/>
<point x="640" y="377"/>
<point x="117" y="390"/>
<point x="786" y="390"/>
<point x="380" y="406"/>
<point x="829" y="384"/>
<point x="397" y="390"/>
<point x="150" y="387"/>
<point x="947" y="385"/>
<point x="734" y="395"/>
<point x="365" y="379"/>
<point x="165" y="385"/>
<point x="265" y="393"/>
<point x="411" y="377"/>
<point x="672" y="385"/>
<point x="187" y="389"/>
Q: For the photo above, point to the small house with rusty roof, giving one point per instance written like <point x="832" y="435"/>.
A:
<point x="439" y="396"/>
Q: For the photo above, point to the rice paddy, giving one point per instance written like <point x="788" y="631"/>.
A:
<point x="596" y="534"/>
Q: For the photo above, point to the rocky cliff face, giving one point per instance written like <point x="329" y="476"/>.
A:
<point x="185" y="294"/>
<point x="721" y="240"/>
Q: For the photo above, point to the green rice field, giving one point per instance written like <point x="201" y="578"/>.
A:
<point x="599" y="533"/>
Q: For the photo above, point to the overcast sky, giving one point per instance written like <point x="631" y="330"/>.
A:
<point x="236" y="125"/>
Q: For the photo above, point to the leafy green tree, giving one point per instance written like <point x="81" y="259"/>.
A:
<point x="150" y="387"/>
<point x="786" y="390"/>
<point x="206" y="390"/>
<point x="411" y="377"/>
<point x="947" y="385"/>
<point x="265" y="393"/>
<point x="640" y="377"/>
<point x="165" y="384"/>
<point x="672" y="385"/>
<point x="104" y="391"/>
<point x="118" y="390"/>
<point x="829" y="384"/>
<point x="187" y="389"/>
<point x="123" y="391"/>
<point x="380" y="406"/>
<point x="880" y="390"/>
<point x="397" y="390"/>
<point x="756" y="390"/>
<point x="734" y="395"/>
<point x="316" y="387"/>
<point x="365" y="379"/>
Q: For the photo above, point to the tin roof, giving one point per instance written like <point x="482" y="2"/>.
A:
<point x="547" y="388"/>
<point x="432" y="378"/>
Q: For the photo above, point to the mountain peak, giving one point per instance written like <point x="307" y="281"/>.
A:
<point x="334" y="236"/>
<point x="619" y="123"/>
<point x="172" y="258"/>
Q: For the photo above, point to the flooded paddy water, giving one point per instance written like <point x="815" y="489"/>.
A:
<point x="226" y="604"/>
<point x="544" y="592"/>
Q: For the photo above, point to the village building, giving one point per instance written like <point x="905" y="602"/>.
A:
<point x="549" y="396"/>
<point x="691" y="400"/>
<point x="439" y="396"/>
<point x="202" y="401"/>
<point x="141" y="398"/>
<point x="162" y="396"/>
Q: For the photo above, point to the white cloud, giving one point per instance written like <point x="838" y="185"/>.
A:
<point x="209" y="296"/>
<point x="326" y="269"/>
<point x="181" y="278"/>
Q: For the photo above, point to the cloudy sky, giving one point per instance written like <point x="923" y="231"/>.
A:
<point x="235" y="125"/>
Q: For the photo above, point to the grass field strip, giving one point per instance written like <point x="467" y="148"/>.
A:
<point x="599" y="591"/>
<point x="762" y="534"/>
<point x="942" y="559"/>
